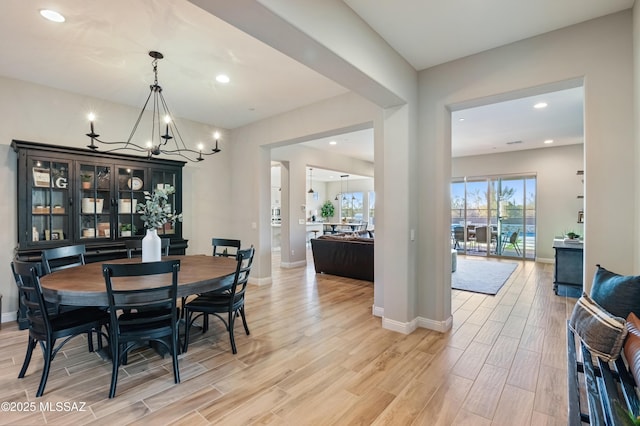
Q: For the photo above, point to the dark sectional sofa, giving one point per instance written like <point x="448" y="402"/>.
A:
<point x="344" y="255"/>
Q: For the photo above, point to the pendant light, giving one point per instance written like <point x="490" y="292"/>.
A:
<point x="344" y="197"/>
<point x="339" y="194"/>
<point x="310" y="191"/>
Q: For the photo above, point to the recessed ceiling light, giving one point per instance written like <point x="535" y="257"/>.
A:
<point x="540" y="105"/>
<point x="223" y="78"/>
<point x="548" y="141"/>
<point x="333" y="143"/>
<point x="52" y="15"/>
<point x="460" y="119"/>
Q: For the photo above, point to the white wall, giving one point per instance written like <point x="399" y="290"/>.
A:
<point x="636" y="123"/>
<point x="42" y="114"/>
<point x="599" y="53"/>
<point x="557" y="186"/>
<point x="352" y="54"/>
<point x="251" y="160"/>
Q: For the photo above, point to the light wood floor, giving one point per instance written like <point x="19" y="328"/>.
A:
<point x="317" y="356"/>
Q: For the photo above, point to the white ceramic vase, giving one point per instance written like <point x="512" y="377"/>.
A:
<point x="151" y="246"/>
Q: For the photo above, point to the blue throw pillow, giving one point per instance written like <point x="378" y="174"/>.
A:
<point x="618" y="294"/>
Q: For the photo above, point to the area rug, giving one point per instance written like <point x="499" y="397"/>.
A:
<point x="481" y="276"/>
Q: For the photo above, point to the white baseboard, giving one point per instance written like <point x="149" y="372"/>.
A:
<point x="260" y="281"/>
<point x="400" y="327"/>
<point x="410" y="327"/>
<point x="544" y="260"/>
<point x="377" y="311"/>
<point x="9" y="316"/>
<point x="290" y="265"/>
<point x="440" y="326"/>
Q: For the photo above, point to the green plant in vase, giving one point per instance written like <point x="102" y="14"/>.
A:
<point x="327" y="210"/>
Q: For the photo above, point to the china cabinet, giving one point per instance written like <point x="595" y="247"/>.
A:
<point x="76" y="196"/>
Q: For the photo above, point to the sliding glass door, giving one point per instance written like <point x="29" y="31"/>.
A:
<point x="494" y="216"/>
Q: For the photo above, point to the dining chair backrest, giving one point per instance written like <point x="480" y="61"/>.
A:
<point x="26" y="275"/>
<point x="225" y="247"/>
<point x="135" y="246"/>
<point x="122" y="296"/>
<point x="59" y="258"/>
<point x="241" y="277"/>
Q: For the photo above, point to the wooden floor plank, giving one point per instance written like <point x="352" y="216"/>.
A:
<point x="316" y="355"/>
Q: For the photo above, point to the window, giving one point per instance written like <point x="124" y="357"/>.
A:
<point x="503" y="204"/>
<point x="351" y="206"/>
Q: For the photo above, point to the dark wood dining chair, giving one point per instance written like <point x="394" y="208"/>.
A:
<point x="140" y="316"/>
<point x="230" y="302"/>
<point x="225" y="247"/>
<point x="134" y="247"/>
<point x="59" y="258"/>
<point x="46" y="327"/>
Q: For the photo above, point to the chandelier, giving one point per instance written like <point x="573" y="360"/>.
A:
<point x="159" y="142"/>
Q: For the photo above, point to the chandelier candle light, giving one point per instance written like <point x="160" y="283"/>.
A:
<point x="159" y="143"/>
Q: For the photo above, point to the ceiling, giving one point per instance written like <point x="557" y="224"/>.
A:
<point x="432" y="32"/>
<point x="101" y="51"/>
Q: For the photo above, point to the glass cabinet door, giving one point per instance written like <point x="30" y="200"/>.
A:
<point x="130" y="187"/>
<point x="95" y="202"/>
<point x="49" y="200"/>
<point x="162" y="179"/>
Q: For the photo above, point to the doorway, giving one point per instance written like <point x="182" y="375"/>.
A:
<point x="494" y="216"/>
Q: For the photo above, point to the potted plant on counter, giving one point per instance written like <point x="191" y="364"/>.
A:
<point x="571" y="237"/>
<point x="327" y="210"/>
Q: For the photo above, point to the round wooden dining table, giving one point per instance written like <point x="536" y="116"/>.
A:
<point x="85" y="286"/>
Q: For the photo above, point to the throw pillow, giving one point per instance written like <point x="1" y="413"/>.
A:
<point x="616" y="293"/>
<point x="600" y="331"/>
<point x="632" y="346"/>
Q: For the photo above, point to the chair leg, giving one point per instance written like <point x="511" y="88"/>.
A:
<point x="174" y="351"/>
<point x="232" y="315"/>
<point x="244" y="320"/>
<point x="187" y="328"/>
<point x="48" y="357"/>
<point x="27" y="356"/>
<point x="205" y="322"/>
<point x="115" y="360"/>
<point x="90" y="340"/>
